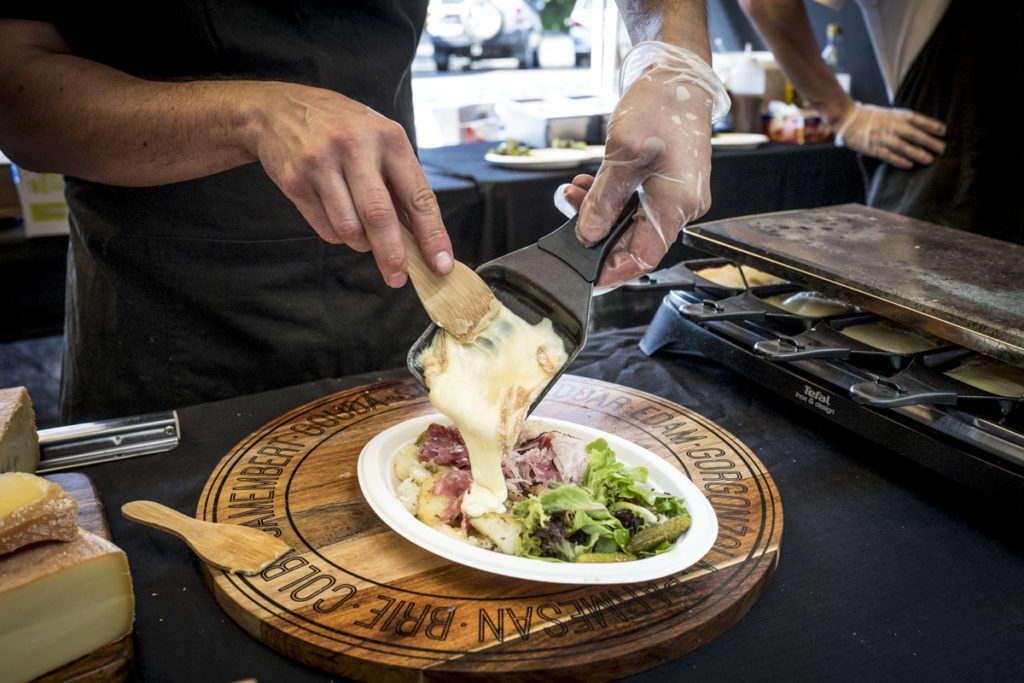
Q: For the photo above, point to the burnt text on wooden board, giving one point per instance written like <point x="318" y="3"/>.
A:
<point x="356" y="599"/>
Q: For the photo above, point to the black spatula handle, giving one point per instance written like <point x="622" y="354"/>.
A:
<point x="587" y="261"/>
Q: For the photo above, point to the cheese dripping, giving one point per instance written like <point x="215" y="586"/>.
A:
<point x="486" y="388"/>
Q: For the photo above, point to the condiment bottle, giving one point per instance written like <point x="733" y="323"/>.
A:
<point x="834" y="55"/>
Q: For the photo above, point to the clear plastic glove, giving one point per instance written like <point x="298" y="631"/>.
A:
<point x="659" y="141"/>
<point x="900" y="137"/>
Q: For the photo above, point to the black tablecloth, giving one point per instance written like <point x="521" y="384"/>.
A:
<point x="887" y="572"/>
<point x="517" y="204"/>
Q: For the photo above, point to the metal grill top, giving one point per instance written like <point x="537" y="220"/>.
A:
<point x="962" y="287"/>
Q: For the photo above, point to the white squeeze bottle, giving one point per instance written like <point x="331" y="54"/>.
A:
<point x="747" y="77"/>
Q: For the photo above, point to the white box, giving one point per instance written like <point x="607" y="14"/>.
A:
<point x="536" y="122"/>
<point x="44" y="210"/>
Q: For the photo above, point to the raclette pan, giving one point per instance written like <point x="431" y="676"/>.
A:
<point x="553" y="278"/>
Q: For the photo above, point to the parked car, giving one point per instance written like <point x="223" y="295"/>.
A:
<point x="581" y="24"/>
<point x="483" y="29"/>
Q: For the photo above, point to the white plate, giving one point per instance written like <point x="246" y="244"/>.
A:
<point x="738" y="140"/>
<point x="378" y="482"/>
<point x="544" y="158"/>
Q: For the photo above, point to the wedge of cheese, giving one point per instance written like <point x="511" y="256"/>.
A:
<point x="60" y="601"/>
<point x="33" y="509"/>
<point x="19" y="441"/>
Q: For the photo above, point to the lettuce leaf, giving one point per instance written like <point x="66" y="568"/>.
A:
<point x="570" y="519"/>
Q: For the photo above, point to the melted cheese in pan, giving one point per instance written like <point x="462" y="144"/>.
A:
<point x="991" y="375"/>
<point x="891" y="337"/>
<point x="810" y="304"/>
<point x="729" y="276"/>
<point x="486" y="389"/>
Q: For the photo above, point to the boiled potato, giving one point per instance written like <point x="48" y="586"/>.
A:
<point x="502" y="529"/>
<point x="408" y="495"/>
<point x="459" y="534"/>
<point x="430" y="508"/>
<point x="406" y="461"/>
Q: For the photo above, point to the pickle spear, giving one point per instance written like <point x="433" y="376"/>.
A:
<point x="652" y="536"/>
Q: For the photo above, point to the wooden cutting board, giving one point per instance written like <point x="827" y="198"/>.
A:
<point x="112" y="662"/>
<point x="357" y="599"/>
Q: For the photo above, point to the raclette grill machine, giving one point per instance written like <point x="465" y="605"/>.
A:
<point x="963" y="292"/>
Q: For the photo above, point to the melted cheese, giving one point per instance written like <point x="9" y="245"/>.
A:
<point x="890" y="337"/>
<point x="810" y="304"/>
<point x="729" y="276"/>
<point x="486" y="388"/>
<point x="991" y="375"/>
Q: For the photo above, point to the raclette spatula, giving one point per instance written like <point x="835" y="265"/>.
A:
<point x="553" y="278"/>
<point x="460" y="301"/>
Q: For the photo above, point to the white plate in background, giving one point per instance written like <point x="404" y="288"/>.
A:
<point x="738" y="140"/>
<point x="546" y="158"/>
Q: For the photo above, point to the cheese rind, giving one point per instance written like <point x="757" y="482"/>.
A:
<point x="60" y="601"/>
<point x="33" y="509"/>
<point x="19" y="440"/>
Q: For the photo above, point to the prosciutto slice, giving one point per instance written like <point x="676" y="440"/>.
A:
<point x="551" y="456"/>
<point x="444" y="446"/>
<point x="453" y="484"/>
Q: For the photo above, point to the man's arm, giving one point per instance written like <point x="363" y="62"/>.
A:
<point x="898" y="136"/>
<point x="786" y="29"/>
<point x="678" y="22"/>
<point x="65" y="114"/>
<point x="350" y="171"/>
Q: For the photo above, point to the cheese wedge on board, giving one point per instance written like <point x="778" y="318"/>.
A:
<point x="33" y="509"/>
<point x="60" y="601"/>
<point x="19" y="440"/>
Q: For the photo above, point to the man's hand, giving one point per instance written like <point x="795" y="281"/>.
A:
<point x="900" y="137"/>
<point x="659" y="140"/>
<point x="352" y="173"/>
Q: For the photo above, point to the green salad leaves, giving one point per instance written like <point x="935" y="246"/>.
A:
<point x="598" y="516"/>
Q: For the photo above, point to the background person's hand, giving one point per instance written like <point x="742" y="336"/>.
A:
<point x="900" y="137"/>
<point x="659" y="141"/>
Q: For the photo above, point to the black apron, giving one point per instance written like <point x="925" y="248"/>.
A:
<point x="216" y="287"/>
<point x="969" y="76"/>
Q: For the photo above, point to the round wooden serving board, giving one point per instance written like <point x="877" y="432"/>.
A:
<point x="357" y="599"/>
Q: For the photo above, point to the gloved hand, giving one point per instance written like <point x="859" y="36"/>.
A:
<point x="659" y="140"/>
<point x="899" y="137"/>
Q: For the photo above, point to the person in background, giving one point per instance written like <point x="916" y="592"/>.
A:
<point x="229" y="164"/>
<point x="940" y="151"/>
